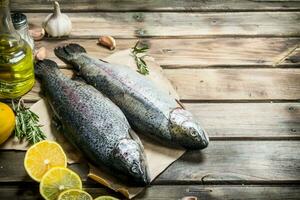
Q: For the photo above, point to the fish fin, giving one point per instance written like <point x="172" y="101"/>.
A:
<point x="44" y="65"/>
<point x="67" y="52"/>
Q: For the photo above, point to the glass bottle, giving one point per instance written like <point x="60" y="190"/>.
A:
<point x="16" y="59"/>
<point x="21" y="25"/>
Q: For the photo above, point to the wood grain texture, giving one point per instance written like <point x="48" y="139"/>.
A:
<point x="236" y="84"/>
<point x="157" y="5"/>
<point x="248" y="120"/>
<point x="163" y="192"/>
<point x="240" y="162"/>
<point x="221" y="192"/>
<point x="205" y="52"/>
<point x="225" y="84"/>
<point x="183" y="24"/>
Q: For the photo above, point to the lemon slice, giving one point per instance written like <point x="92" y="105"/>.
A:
<point x="57" y="180"/>
<point x="106" y="198"/>
<point x="74" y="194"/>
<point x="43" y="156"/>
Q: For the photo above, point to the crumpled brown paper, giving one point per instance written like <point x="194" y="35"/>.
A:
<point x="159" y="157"/>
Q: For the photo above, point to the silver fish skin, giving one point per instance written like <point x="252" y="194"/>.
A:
<point x="148" y="108"/>
<point x="93" y="124"/>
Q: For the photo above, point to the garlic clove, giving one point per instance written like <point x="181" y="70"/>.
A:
<point x="41" y="53"/>
<point x="36" y="32"/>
<point x="107" y="41"/>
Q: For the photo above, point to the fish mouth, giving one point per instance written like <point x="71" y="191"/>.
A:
<point x="185" y="131"/>
<point x="146" y="180"/>
<point x="196" y="139"/>
<point x="142" y="176"/>
<point x="142" y="180"/>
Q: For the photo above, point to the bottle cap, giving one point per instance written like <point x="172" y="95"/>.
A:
<point x="19" y="20"/>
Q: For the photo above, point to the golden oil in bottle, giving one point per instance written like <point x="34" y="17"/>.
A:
<point x="16" y="59"/>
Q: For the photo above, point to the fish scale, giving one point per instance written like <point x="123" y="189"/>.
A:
<point x="149" y="109"/>
<point x="93" y="123"/>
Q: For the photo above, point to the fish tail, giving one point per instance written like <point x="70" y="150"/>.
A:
<point x="66" y="53"/>
<point x="44" y="66"/>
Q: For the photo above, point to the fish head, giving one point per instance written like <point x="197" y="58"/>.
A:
<point x="186" y="131"/>
<point x="129" y="157"/>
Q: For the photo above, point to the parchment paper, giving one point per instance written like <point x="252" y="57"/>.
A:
<point x="159" y="157"/>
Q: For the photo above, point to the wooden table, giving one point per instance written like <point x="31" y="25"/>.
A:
<point x="235" y="65"/>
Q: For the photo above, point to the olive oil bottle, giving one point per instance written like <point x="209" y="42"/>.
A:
<point x="16" y="59"/>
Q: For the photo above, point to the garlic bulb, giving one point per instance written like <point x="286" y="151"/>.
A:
<point x="57" y="24"/>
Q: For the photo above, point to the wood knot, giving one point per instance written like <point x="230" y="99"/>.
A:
<point x="166" y="50"/>
<point x="138" y="17"/>
<point x="291" y="108"/>
<point x="140" y="32"/>
<point x="293" y="130"/>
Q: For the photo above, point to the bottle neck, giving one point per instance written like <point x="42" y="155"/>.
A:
<point x="6" y="25"/>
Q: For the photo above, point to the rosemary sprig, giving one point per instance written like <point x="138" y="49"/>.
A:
<point x="139" y="59"/>
<point x="27" y="124"/>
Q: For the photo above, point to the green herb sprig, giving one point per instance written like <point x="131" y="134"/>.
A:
<point x="27" y="124"/>
<point x="139" y="59"/>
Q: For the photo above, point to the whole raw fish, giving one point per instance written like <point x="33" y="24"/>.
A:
<point x="147" y="108"/>
<point x="93" y="123"/>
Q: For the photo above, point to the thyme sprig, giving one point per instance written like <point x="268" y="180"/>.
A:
<point x="137" y="50"/>
<point x="27" y="124"/>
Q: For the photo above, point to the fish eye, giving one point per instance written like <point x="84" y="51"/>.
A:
<point x="194" y="134"/>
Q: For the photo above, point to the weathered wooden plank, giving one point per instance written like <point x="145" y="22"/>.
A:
<point x="240" y="162"/>
<point x="248" y="120"/>
<point x="236" y="84"/>
<point x="261" y="121"/>
<point x="226" y="84"/>
<point x="183" y="24"/>
<point x="205" y="52"/>
<point x="163" y="192"/>
<point x="157" y="5"/>
<point x="221" y="192"/>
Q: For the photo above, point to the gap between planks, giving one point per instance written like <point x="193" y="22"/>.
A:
<point x="161" y="6"/>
